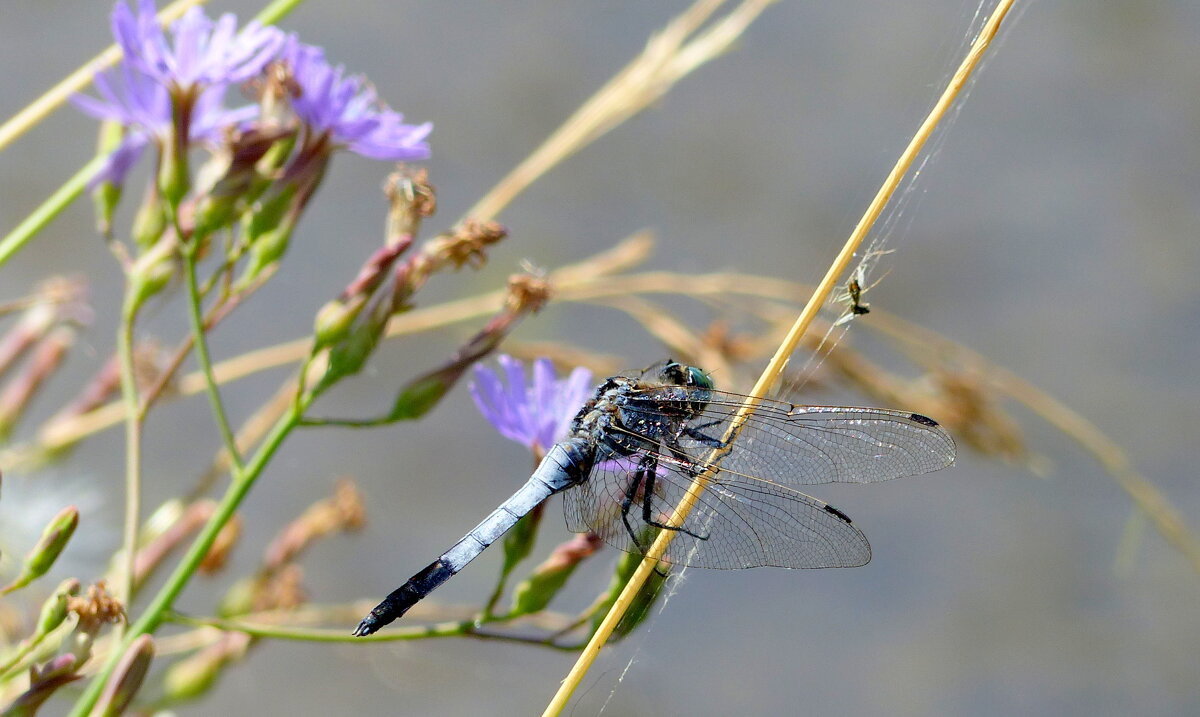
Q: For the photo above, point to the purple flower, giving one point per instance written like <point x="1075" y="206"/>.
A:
<point x="142" y="105"/>
<point x="347" y="110"/>
<point x="204" y="53"/>
<point x="536" y="415"/>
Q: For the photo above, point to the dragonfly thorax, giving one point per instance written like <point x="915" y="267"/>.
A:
<point x="630" y="414"/>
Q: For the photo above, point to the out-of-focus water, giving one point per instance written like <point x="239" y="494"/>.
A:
<point x="1055" y="232"/>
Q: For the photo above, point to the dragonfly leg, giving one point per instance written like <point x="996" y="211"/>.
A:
<point x="694" y="432"/>
<point x="647" y="508"/>
<point x="638" y="480"/>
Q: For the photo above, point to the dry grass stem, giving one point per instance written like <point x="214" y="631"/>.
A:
<point x="669" y="56"/>
<point x="932" y="349"/>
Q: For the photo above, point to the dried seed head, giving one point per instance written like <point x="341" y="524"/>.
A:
<point x="412" y="199"/>
<point x="526" y="293"/>
<point x="96" y="608"/>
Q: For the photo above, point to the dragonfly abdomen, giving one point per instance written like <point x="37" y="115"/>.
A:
<point x="565" y="465"/>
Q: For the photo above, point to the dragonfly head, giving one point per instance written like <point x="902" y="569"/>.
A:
<point x="676" y="373"/>
<point x="673" y="373"/>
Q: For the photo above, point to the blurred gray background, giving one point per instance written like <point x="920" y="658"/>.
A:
<point x="1056" y="233"/>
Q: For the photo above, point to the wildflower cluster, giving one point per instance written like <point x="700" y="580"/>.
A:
<point x="242" y="170"/>
<point x="266" y="159"/>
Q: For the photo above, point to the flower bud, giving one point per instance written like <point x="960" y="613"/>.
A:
<point x="334" y="320"/>
<point x="536" y="591"/>
<point x="173" y="176"/>
<point x="231" y="178"/>
<point x="150" y="221"/>
<point x="266" y="250"/>
<point x="191" y="677"/>
<point x="270" y="211"/>
<point x="518" y="541"/>
<point x="239" y="599"/>
<point x="107" y="194"/>
<point x="55" y="609"/>
<point x="44" y="681"/>
<point x="126" y="679"/>
<point x="15" y="397"/>
<point x="41" y="558"/>
<point x="150" y="275"/>
<point x="639" y="608"/>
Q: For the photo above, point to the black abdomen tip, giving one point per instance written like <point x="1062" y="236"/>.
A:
<point x="366" y="627"/>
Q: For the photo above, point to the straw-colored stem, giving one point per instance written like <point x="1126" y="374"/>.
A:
<point x="1148" y="498"/>
<point x="648" y="77"/>
<point x="771" y="374"/>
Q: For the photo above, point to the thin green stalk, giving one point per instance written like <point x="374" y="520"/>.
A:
<point x="156" y="611"/>
<point x="48" y="210"/>
<point x="450" y="628"/>
<point x="276" y="11"/>
<point x="200" y="339"/>
<point x="133" y="441"/>
<point x="14" y="664"/>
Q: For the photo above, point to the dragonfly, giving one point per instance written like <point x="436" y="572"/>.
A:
<point x="636" y="448"/>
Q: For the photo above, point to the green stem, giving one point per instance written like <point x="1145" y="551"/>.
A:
<point x="54" y="205"/>
<point x="450" y="628"/>
<point x="13" y="665"/>
<point x="276" y="11"/>
<point x="200" y="339"/>
<point x="133" y="440"/>
<point x="487" y="614"/>
<point x="155" y="613"/>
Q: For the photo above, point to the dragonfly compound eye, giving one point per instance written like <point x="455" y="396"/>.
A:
<point x="698" y="377"/>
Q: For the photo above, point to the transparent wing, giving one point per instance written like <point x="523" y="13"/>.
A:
<point x="750" y="515"/>
<point x="738" y="522"/>
<point x="792" y="444"/>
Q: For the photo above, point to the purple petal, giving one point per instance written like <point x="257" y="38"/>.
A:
<point x="537" y="413"/>
<point x="348" y="110"/>
<point x="120" y="161"/>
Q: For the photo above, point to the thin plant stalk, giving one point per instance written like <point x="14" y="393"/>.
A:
<point x="450" y="628"/>
<point x="48" y="210"/>
<point x="775" y="367"/>
<point x="133" y="442"/>
<point x="669" y="56"/>
<point x="1146" y="496"/>
<point x="156" y="612"/>
<point x="200" y="341"/>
